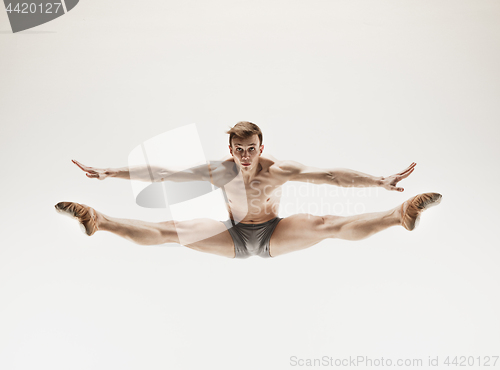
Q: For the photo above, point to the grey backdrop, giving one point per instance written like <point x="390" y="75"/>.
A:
<point x="367" y="85"/>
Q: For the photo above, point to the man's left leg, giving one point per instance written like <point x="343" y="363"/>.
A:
<point x="303" y="230"/>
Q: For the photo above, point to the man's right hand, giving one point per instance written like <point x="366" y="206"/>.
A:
<point x="92" y="172"/>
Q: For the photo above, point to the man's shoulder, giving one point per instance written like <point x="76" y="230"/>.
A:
<point x="281" y="167"/>
<point x="222" y="165"/>
<point x="269" y="162"/>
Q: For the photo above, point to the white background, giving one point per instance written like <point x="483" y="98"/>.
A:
<point x="367" y="85"/>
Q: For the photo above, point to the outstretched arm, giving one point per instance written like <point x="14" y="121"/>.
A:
<point x="342" y="176"/>
<point x="148" y="173"/>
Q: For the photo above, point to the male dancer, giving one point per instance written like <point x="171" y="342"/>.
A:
<point x="252" y="200"/>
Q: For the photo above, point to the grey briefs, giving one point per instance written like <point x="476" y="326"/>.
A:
<point x="251" y="239"/>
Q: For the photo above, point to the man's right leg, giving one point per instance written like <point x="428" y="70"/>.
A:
<point x="204" y="234"/>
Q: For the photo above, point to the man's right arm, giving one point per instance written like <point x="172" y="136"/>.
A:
<point x="148" y="173"/>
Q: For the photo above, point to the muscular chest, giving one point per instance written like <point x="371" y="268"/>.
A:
<point x="261" y="190"/>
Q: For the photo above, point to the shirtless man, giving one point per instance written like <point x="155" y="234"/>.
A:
<point x="253" y="227"/>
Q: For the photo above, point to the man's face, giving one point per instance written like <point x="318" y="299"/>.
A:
<point x="246" y="152"/>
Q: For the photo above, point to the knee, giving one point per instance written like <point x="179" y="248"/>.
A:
<point x="332" y="225"/>
<point x="323" y="224"/>
<point x="344" y="228"/>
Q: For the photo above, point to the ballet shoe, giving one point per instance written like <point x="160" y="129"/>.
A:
<point x="410" y="215"/>
<point x="84" y="214"/>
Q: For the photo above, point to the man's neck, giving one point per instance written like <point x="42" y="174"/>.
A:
<point x="248" y="176"/>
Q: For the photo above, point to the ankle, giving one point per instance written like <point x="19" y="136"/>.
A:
<point x="101" y="220"/>
<point x="398" y="213"/>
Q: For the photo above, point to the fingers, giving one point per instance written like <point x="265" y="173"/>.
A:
<point x="405" y="175"/>
<point x="410" y="168"/>
<point x="89" y="172"/>
<point x="84" y="168"/>
<point x="395" y="188"/>
<point x="400" y="176"/>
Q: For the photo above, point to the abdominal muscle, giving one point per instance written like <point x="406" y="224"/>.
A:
<point x="258" y="207"/>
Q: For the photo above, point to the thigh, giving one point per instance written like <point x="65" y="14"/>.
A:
<point x="297" y="232"/>
<point x="205" y="235"/>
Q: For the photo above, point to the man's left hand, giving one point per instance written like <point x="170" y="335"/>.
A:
<point x="390" y="182"/>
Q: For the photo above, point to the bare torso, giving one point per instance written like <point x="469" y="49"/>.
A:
<point x="251" y="200"/>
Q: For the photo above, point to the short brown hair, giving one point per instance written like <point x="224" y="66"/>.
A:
<point x="244" y="130"/>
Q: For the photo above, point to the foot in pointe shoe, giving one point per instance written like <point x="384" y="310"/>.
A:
<point x="84" y="214"/>
<point x="413" y="207"/>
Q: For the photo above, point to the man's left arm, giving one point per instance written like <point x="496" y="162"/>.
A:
<point x="342" y="176"/>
